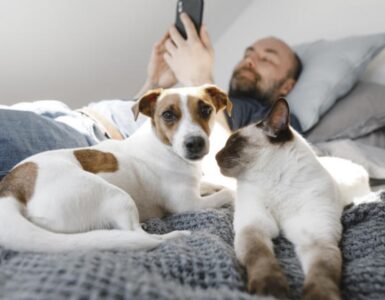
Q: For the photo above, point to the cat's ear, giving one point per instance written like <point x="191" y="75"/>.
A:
<point x="278" y="119"/>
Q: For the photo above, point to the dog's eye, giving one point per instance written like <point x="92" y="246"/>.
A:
<point x="168" y="116"/>
<point x="206" y="111"/>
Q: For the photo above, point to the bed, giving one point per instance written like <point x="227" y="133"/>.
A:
<point x="203" y="265"/>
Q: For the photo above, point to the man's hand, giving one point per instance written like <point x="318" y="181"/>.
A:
<point x="159" y="73"/>
<point x="192" y="59"/>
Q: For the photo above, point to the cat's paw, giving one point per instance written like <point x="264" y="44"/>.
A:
<point x="270" y="284"/>
<point x="321" y="290"/>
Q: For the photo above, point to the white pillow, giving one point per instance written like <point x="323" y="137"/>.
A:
<point x="330" y="70"/>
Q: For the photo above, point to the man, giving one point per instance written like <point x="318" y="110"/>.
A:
<point x="268" y="70"/>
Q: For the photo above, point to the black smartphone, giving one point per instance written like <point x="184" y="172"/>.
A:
<point x="194" y="9"/>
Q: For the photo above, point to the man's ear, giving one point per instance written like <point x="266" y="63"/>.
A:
<point x="286" y="87"/>
<point x="146" y="104"/>
<point x="219" y="98"/>
<point x="278" y="118"/>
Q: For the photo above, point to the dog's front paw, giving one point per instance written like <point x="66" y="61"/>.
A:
<point x="228" y="197"/>
<point x="224" y="197"/>
<point x="269" y="284"/>
<point x="207" y="189"/>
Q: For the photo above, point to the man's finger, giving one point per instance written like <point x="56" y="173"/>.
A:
<point x="167" y="57"/>
<point x="205" y="38"/>
<point x="189" y="26"/>
<point x="170" y="47"/>
<point x="175" y="36"/>
<point x="163" y="39"/>
<point x="159" y="45"/>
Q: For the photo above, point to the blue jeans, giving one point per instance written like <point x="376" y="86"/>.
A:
<point x="24" y="133"/>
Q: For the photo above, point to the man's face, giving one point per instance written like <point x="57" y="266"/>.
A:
<point x="263" y="70"/>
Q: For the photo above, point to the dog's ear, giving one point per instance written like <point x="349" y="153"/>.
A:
<point x="219" y="98"/>
<point x="146" y="104"/>
<point x="278" y="118"/>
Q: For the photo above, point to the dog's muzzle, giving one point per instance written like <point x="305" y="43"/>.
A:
<point x="195" y="147"/>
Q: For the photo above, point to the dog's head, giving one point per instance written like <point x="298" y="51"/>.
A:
<point x="259" y="146"/>
<point x="183" y="117"/>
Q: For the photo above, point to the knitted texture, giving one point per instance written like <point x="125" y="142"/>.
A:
<point x="201" y="266"/>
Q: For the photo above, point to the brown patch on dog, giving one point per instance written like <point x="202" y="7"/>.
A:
<point x="146" y="104"/>
<point x="264" y="273"/>
<point x="227" y="157"/>
<point x="219" y="98"/>
<point x="95" y="161"/>
<point x="163" y="129"/>
<point x="324" y="276"/>
<point x="197" y="109"/>
<point x="20" y="182"/>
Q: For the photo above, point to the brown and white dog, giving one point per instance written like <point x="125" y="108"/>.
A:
<point x="50" y="201"/>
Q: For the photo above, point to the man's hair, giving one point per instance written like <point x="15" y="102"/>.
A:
<point x="296" y="70"/>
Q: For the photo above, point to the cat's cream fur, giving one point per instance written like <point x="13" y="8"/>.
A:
<point x="283" y="187"/>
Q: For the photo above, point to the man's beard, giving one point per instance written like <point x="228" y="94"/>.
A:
<point x="241" y="86"/>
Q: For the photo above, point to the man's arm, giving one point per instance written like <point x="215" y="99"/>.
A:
<point x="192" y="59"/>
<point x="159" y="73"/>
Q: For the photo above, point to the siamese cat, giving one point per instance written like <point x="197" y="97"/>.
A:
<point x="282" y="186"/>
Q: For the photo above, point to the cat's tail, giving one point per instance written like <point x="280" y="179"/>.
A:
<point x="352" y="179"/>
<point x="18" y="233"/>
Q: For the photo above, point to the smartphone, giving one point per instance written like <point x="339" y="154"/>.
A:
<point x="194" y="9"/>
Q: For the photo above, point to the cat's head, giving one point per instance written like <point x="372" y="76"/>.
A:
<point x="259" y="144"/>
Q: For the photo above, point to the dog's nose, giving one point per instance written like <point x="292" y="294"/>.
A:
<point x="195" y="144"/>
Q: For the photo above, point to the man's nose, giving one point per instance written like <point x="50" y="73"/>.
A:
<point x="249" y="63"/>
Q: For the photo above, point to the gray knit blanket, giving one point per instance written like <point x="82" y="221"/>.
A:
<point x="201" y="266"/>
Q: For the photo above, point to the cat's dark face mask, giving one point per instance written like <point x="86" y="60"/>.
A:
<point x="229" y="159"/>
<point x="252" y="147"/>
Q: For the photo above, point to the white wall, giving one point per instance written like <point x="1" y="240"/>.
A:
<point x="79" y="51"/>
<point x="297" y="21"/>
